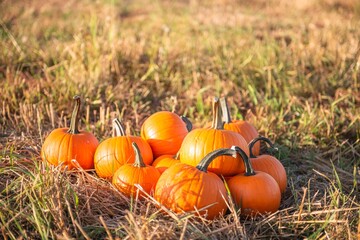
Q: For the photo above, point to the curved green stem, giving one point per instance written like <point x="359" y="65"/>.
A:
<point x="249" y="171"/>
<point x="118" y="128"/>
<point x="255" y="140"/>
<point x="225" y="110"/>
<point x="205" y="162"/>
<point x="138" y="158"/>
<point x="74" y="122"/>
<point x="187" y="122"/>
<point x="217" y="122"/>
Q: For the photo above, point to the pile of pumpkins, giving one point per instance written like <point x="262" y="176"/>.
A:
<point x="185" y="169"/>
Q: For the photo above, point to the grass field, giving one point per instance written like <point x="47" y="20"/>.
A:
<point x="292" y="68"/>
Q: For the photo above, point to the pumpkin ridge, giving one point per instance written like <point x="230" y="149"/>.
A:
<point x="188" y="189"/>
<point x="218" y="193"/>
<point x="202" y="188"/>
<point x="173" y="189"/>
<point x="193" y="184"/>
<point x="129" y="144"/>
<point x="205" y="149"/>
<point x="109" y="153"/>
<point x="60" y="148"/>
<point x="196" y="146"/>
<point x="214" y="137"/>
<point x="118" y="153"/>
<point x="70" y="145"/>
<point x="223" y="144"/>
<point x="105" y="156"/>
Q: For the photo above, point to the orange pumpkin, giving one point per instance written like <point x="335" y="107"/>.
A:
<point x="244" y="128"/>
<point x="269" y="164"/>
<point x="254" y="192"/>
<point x="202" y="141"/>
<point x="165" y="131"/>
<point x="128" y="176"/>
<point x="117" y="151"/>
<point x="64" y="145"/>
<point x="165" y="161"/>
<point x="185" y="188"/>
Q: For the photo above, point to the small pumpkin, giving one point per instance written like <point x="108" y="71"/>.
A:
<point x="63" y="145"/>
<point x="165" y="131"/>
<point x="269" y="164"/>
<point x="185" y="188"/>
<point x="244" y="128"/>
<point x="254" y="192"/>
<point x="117" y="151"/>
<point x="202" y="141"/>
<point x="165" y="161"/>
<point x="128" y="176"/>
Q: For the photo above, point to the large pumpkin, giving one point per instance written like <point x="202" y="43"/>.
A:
<point x="128" y="176"/>
<point x="70" y="147"/>
<point x="117" y="151"/>
<point x="244" y="128"/>
<point x="269" y="164"/>
<point x="165" y="131"/>
<point x="254" y="192"/>
<point x="202" y="141"/>
<point x="185" y="188"/>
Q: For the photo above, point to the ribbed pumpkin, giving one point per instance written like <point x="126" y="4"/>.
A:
<point x="117" y="151"/>
<point x="165" y="161"/>
<point x="128" y="176"/>
<point x="254" y="192"/>
<point x="244" y="128"/>
<point x="185" y="188"/>
<point x="269" y="164"/>
<point x="202" y="141"/>
<point x="63" y="145"/>
<point x="165" y="131"/>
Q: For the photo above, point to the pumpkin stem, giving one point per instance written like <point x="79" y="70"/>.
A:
<point x="138" y="158"/>
<point x="74" y="122"/>
<point x="118" y="128"/>
<point x="217" y="122"/>
<point x="187" y="122"/>
<point x="249" y="171"/>
<point x="252" y="143"/>
<point x="205" y="162"/>
<point x="225" y="110"/>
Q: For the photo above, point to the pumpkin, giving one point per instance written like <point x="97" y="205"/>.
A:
<point x="202" y="141"/>
<point x="63" y="145"/>
<point x="185" y="188"/>
<point x="244" y="128"/>
<point x="165" y="161"/>
<point x="254" y="192"/>
<point x="117" y="151"/>
<point x="165" y="131"/>
<point x="269" y="164"/>
<point x="128" y="176"/>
